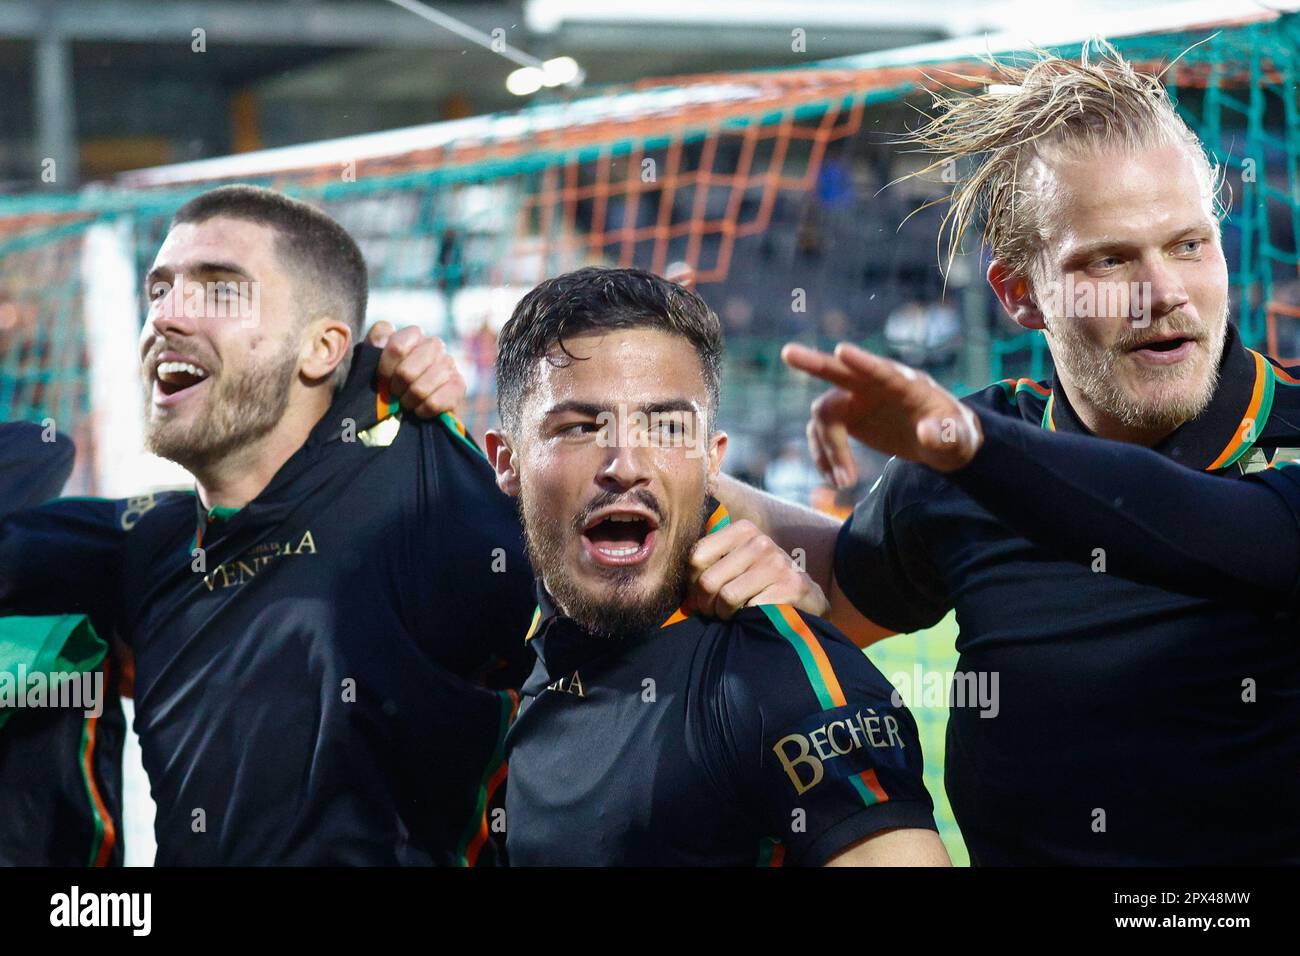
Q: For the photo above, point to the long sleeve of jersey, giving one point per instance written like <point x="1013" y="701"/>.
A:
<point x="1129" y="511"/>
<point x="65" y="557"/>
<point x="33" y="465"/>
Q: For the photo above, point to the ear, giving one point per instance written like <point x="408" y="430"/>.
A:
<point x="1014" y="292"/>
<point x="717" y="452"/>
<point x="502" y="458"/>
<point x="326" y="342"/>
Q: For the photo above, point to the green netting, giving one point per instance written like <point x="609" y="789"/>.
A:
<point x="43" y="360"/>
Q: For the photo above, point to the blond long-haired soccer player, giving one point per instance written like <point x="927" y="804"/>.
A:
<point x="1095" y="719"/>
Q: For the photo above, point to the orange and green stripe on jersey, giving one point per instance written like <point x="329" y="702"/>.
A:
<point x="771" y="852"/>
<point x="1257" y="412"/>
<point x="534" y="624"/>
<point x="457" y="428"/>
<point x="1014" y="386"/>
<point x="1048" y="421"/>
<point x="218" y="513"/>
<point x="817" y="667"/>
<point x="104" y="837"/>
<point x="476" y="835"/>
<point x="719" y="519"/>
<point x="1283" y="376"/>
<point x="386" y="406"/>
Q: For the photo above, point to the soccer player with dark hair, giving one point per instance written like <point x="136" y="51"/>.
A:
<point x="312" y="629"/>
<point x="1139" y="724"/>
<point x="650" y="734"/>
<point x="327" y="631"/>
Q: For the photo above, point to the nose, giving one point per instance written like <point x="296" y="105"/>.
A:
<point x="167" y="313"/>
<point x="626" y="464"/>
<point x="1162" y="290"/>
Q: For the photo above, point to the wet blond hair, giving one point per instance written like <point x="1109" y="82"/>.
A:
<point x="1048" y="108"/>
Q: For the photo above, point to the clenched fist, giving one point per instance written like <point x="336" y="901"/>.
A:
<point x="420" y="373"/>
<point x="739" y="566"/>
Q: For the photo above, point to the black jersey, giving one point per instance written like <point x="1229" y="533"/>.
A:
<point x="61" y="721"/>
<point x="321" y="677"/>
<point x="1135" y="724"/>
<point x="765" y="739"/>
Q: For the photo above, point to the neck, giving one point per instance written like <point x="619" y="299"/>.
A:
<point x="238" y="478"/>
<point x="1107" y="426"/>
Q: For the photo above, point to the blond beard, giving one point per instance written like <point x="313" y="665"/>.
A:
<point x="1092" y="372"/>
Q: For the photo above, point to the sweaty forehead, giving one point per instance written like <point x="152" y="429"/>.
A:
<point x="623" y="365"/>
<point x="1122" y="195"/>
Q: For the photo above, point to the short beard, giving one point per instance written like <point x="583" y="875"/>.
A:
<point x="614" y="614"/>
<point x="1093" y="374"/>
<point x="240" y="411"/>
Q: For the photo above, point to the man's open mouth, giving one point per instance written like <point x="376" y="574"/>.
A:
<point x="619" y="537"/>
<point x="173" y="377"/>
<point x="1166" y="350"/>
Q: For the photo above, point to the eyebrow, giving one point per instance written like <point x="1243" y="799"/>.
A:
<point x="593" y="409"/>
<point x="206" y="267"/>
<point x="1084" y="253"/>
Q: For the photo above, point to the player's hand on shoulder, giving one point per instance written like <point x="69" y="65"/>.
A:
<point x="420" y="372"/>
<point x="739" y="566"/>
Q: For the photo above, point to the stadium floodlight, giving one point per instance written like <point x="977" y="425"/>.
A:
<point x="561" y="71"/>
<point x="532" y="74"/>
<point x="525" y="81"/>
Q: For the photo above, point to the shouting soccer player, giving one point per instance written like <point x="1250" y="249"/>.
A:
<point x="650" y="735"/>
<point x="1137" y="725"/>
<point x="325" y="633"/>
<point x="306" y="686"/>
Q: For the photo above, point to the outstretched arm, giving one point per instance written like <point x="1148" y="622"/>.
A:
<point x="1144" y="516"/>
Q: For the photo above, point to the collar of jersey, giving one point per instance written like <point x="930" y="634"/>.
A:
<point x="1227" y="429"/>
<point x="206" y="517"/>
<point x="362" y="403"/>
<point x="546" y="612"/>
